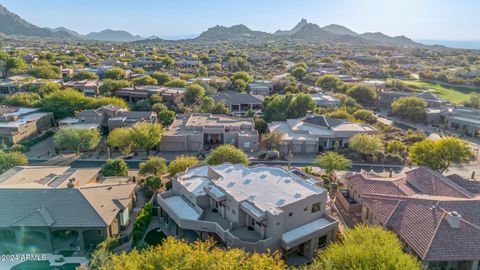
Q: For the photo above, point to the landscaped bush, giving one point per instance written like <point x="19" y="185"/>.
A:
<point x="17" y="148"/>
<point x="168" y="185"/>
<point x="34" y="140"/>
<point x="141" y="223"/>
<point x="393" y="159"/>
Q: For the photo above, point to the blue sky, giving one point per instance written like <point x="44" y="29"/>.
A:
<point x="418" y="19"/>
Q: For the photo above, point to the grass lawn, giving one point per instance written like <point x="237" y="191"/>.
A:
<point x="456" y="95"/>
<point x="154" y="237"/>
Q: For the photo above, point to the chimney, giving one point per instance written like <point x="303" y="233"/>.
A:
<point x="72" y="183"/>
<point x="453" y="219"/>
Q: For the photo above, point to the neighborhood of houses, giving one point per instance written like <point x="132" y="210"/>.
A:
<point x="62" y="201"/>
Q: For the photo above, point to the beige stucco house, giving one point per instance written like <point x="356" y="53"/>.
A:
<point x="259" y="208"/>
<point x="314" y="133"/>
<point x="18" y="123"/>
<point x="198" y="132"/>
<point x="51" y="209"/>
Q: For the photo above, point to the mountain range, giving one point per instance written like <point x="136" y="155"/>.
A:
<point x="12" y="24"/>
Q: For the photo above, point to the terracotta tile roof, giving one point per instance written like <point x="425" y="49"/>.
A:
<point x="433" y="183"/>
<point x="423" y="226"/>
<point x="472" y="186"/>
<point x="365" y="185"/>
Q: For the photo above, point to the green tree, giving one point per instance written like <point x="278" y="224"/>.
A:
<point x="167" y="61"/>
<point x="82" y="59"/>
<point x="366" y="116"/>
<point x="241" y="75"/>
<point x="440" y="154"/>
<point x="144" y="80"/>
<point x="15" y="63"/>
<point x="366" y="144"/>
<point x="165" y="115"/>
<point x="84" y="75"/>
<point x="121" y="138"/>
<point x="261" y="125"/>
<point x="474" y="99"/>
<point x="273" y="140"/>
<point x="328" y="82"/>
<point x="154" y="165"/>
<point x="154" y="182"/>
<point x="396" y="147"/>
<point x="23" y="99"/>
<point x="365" y="247"/>
<point x="240" y="85"/>
<point x="332" y="161"/>
<point x="115" y="73"/>
<point x="76" y="139"/>
<point x="207" y="105"/>
<point x="162" y="78"/>
<point x="47" y="88"/>
<point x="64" y="103"/>
<point x="364" y="94"/>
<point x="9" y="160"/>
<point x="147" y="135"/>
<point x="194" y="93"/>
<point x="178" y="254"/>
<point x="298" y="72"/>
<point x="341" y="114"/>
<point x="181" y="164"/>
<point x="115" y="167"/>
<point x="177" y="83"/>
<point x="227" y="153"/>
<point x="109" y="86"/>
<point x="45" y="72"/>
<point x="300" y="105"/>
<point x="410" y="108"/>
<point x="220" y="108"/>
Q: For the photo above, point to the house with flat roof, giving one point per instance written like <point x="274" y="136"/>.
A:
<point x="18" y="83"/>
<point x="325" y="101"/>
<point x="93" y="118"/>
<point x="19" y="123"/>
<point x="259" y="208"/>
<point x="435" y="216"/>
<point x="128" y="119"/>
<point x="260" y="88"/>
<point x="314" y="133"/>
<point x="464" y="120"/>
<point x="52" y="209"/>
<point x="88" y="87"/>
<point x="199" y="132"/>
<point x="386" y="98"/>
<point x="169" y="95"/>
<point x="239" y="103"/>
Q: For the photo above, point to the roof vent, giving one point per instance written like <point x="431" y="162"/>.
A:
<point x="281" y="202"/>
<point x="246" y="182"/>
<point x="252" y="197"/>
<point x="263" y="176"/>
<point x="231" y="184"/>
<point x="453" y="219"/>
<point x="297" y="195"/>
<point x="288" y="180"/>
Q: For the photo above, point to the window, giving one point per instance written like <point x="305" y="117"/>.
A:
<point x="305" y="209"/>
<point x="316" y="207"/>
<point x="290" y="214"/>
<point x="246" y="144"/>
<point x="99" y="232"/>
<point x="322" y="242"/>
<point x="233" y="211"/>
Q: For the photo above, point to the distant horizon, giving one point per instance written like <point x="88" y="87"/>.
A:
<point x="418" y="20"/>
